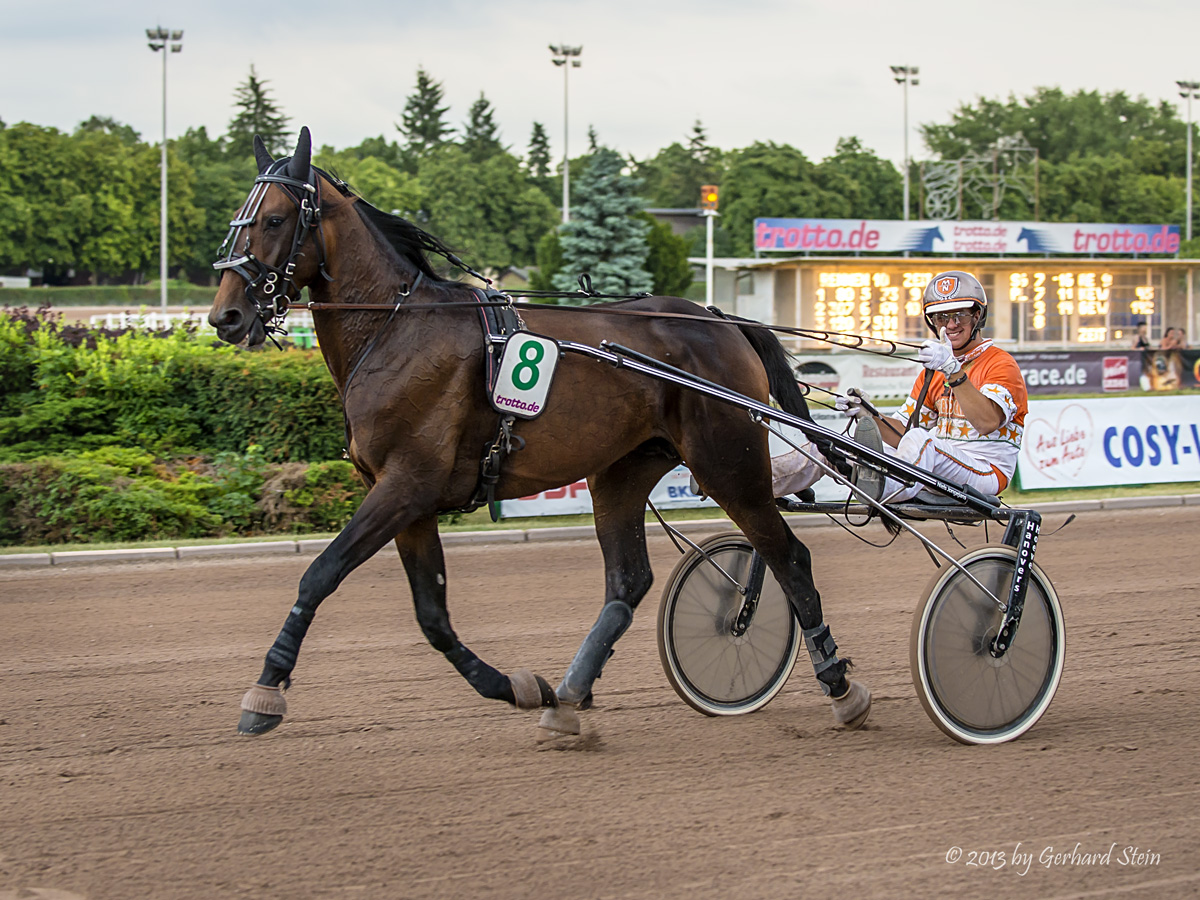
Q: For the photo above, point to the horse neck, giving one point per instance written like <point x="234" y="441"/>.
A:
<point x="366" y="273"/>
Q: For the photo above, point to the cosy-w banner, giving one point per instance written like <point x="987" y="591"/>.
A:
<point x="953" y="237"/>
<point x="1110" y="441"/>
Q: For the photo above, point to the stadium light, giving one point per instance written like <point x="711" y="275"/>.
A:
<point x="162" y="39"/>
<point x="906" y="75"/>
<point x="1188" y="90"/>
<point x="568" y="58"/>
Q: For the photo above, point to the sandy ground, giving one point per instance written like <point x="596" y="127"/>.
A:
<point x="121" y="775"/>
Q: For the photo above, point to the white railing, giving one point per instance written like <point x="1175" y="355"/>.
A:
<point x="299" y="322"/>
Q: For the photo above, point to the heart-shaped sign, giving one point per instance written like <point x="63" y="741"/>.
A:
<point x="1059" y="449"/>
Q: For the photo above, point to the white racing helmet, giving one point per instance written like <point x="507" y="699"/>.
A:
<point x="951" y="291"/>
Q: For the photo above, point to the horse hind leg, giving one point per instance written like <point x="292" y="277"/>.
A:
<point x="791" y="563"/>
<point x="618" y="502"/>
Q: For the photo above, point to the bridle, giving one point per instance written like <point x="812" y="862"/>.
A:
<point x="270" y="288"/>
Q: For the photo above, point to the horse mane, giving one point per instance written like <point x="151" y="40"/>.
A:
<point x="410" y="242"/>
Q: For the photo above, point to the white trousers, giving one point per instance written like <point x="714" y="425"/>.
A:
<point x="948" y="460"/>
<point x="792" y="472"/>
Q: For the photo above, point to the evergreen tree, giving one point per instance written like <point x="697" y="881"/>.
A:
<point x="605" y="237"/>
<point x="537" y="162"/>
<point x="698" y="146"/>
<point x="667" y="260"/>
<point x="423" y="122"/>
<point x="593" y="139"/>
<point x="480" y="136"/>
<point x="549" y="262"/>
<point x="257" y="113"/>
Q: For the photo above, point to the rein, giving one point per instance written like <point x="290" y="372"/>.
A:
<point x="853" y="342"/>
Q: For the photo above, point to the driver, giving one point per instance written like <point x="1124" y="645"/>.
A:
<point x="972" y="419"/>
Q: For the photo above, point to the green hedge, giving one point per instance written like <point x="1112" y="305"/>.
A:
<point x="168" y="393"/>
<point x="122" y="295"/>
<point x="120" y="494"/>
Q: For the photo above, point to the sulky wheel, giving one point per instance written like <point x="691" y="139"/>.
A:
<point x="717" y="661"/>
<point x="970" y="695"/>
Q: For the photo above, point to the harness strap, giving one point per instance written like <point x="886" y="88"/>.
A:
<point x="497" y="317"/>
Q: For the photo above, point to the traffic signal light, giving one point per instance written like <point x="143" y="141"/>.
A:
<point x="709" y="196"/>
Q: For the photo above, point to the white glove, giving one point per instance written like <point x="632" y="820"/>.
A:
<point x="939" y="356"/>
<point x="851" y="405"/>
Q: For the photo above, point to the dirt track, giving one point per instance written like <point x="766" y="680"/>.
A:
<point x="121" y="775"/>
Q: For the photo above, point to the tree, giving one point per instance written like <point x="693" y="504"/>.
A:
<point x="257" y="113"/>
<point x="672" y="178"/>
<point x="769" y="180"/>
<point x="667" y="259"/>
<point x="488" y="211"/>
<point x="222" y="182"/>
<point x="481" y="138"/>
<point x="423" y="122"/>
<point x="384" y="186"/>
<point x="109" y="125"/>
<point x="1059" y="126"/>
<point x="605" y="238"/>
<point x="593" y="139"/>
<point x="549" y="262"/>
<point x="698" y="146"/>
<point x="537" y="162"/>
<point x="859" y="184"/>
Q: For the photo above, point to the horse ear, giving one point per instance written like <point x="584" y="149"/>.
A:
<point x="262" y="155"/>
<point x="301" y="162"/>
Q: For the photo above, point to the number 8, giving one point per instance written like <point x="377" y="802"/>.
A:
<point x="528" y="361"/>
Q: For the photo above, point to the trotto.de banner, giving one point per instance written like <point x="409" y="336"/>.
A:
<point x="952" y="237"/>
<point x="1110" y="441"/>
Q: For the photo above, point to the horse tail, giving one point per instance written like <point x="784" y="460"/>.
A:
<point x="775" y="360"/>
<point x="783" y="385"/>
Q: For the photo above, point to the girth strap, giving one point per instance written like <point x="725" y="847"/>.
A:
<point x="500" y="320"/>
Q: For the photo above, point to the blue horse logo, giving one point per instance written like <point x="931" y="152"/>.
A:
<point x="922" y="240"/>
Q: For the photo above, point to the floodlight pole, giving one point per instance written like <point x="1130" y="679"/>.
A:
<point x="903" y="75"/>
<point x="168" y="42"/>
<point x="1188" y="90"/>
<point x="568" y="58"/>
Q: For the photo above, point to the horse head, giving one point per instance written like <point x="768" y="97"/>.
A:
<point x="274" y="246"/>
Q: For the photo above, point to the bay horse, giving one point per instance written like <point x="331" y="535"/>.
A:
<point x="417" y="414"/>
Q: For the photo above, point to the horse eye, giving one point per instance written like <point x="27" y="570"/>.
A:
<point x="274" y="221"/>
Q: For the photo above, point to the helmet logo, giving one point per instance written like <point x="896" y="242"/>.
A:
<point x="946" y="285"/>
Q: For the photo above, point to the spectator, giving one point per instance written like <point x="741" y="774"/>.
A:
<point x="1140" y="341"/>
<point x="1170" y="341"/>
<point x="1181" y="338"/>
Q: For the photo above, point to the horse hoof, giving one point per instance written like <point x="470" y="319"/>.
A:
<point x="531" y="691"/>
<point x="852" y="708"/>
<point x="558" y="722"/>
<point x="263" y="708"/>
<point x="257" y="723"/>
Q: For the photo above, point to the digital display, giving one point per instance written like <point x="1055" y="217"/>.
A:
<point x="1042" y="305"/>
<point x="1078" y="306"/>
<point x="870" y="303"/>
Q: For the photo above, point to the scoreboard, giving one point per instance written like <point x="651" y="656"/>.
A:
<point x="1066" y="302"/>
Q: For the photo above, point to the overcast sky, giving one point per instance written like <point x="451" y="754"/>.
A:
<point x="801" y="72"/>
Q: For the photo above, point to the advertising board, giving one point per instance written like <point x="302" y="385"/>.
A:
<point x="1110" y="441"/>
<point x="956" y="237"/>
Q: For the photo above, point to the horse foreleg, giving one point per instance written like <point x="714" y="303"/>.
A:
<point x="375" y="523"/>
<point x="421" y="551"/>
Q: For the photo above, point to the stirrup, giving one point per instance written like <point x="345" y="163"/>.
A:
<point x="867" y="479"/>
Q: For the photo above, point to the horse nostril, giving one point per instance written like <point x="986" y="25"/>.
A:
<point x="229" y="318"/>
